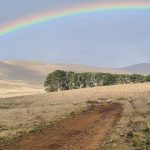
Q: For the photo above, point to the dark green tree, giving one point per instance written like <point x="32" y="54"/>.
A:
<point x="63" y="80"/>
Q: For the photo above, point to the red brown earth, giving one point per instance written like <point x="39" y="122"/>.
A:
<point x="85" y="131"/>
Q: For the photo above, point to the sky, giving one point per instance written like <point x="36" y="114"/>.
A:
<point x="114" y="39"/>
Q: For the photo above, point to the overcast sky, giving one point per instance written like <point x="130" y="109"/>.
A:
<point x="106" y="40"/>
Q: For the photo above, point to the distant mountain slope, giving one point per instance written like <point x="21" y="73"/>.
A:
<point x="143" y="68"/>
<point x="18" y="71"/>
<point x="36" y="72"/>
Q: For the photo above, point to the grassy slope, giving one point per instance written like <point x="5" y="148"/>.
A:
<point x="18" y="88"/>
<point x="36" y="72"/>
<point x="23" y="114"/>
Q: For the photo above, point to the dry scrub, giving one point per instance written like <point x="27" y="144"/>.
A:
<point x="133" y="130"/>
<point x="24" y="114"/>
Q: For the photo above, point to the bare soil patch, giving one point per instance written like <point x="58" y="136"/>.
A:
<point x="85" y="131"/>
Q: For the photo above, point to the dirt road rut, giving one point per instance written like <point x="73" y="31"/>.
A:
<point x="85" y="131"/>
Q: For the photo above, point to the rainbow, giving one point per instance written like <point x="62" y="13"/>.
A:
<point x="71" y="12"/>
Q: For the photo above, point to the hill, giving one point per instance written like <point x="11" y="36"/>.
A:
<point x="143" y="68"/>
<point x="36" y="72"/>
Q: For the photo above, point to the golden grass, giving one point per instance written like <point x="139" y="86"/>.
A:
<point x="133" y="130"/>
<point x="22" y="114"/>
<point x="18" y="88"/>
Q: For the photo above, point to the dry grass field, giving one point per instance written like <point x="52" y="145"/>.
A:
<point x="18" y="88"/>
<point x="23" y="114"/>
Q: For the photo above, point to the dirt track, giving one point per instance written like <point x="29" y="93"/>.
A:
<point x="85" y="131"/>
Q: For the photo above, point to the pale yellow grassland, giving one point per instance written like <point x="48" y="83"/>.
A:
<point x="18" y="88"/>
<point x="22" y="114"/>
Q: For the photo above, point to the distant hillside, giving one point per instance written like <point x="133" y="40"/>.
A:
<point x="143" y="68"/>
<point x="36" y="72"/>
<point x="20" y="71"/>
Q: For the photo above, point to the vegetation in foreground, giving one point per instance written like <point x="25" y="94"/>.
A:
<point x="23" y="114"/>
<point x="133" y="130"/>
<point x="65" y="80"/>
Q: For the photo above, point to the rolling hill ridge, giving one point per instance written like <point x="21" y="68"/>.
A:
<point x="35" y="72"/>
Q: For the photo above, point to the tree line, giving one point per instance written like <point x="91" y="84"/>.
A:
<point x="65" y="80"/>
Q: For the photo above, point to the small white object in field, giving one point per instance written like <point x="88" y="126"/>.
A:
<point x="99" y="101"/>
<point x="109" y="101"/>
<point x="52" y="103"/>
<point x="75" y="103"/>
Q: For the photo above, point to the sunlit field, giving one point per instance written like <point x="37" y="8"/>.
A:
<point x="23" y="114"/>
<point x="18" y="88"/>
